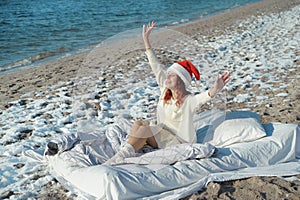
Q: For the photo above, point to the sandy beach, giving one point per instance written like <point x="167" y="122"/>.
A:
<point x="254" y="43"/>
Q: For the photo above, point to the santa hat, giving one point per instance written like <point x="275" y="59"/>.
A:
<point x="185" y="70"/>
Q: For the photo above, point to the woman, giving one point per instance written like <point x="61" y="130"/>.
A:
<point x="175" y="108"/>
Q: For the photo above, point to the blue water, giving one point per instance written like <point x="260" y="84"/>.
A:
<point x="31" y="30"/>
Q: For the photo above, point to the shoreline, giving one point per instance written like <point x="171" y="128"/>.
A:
<point x="265" y="79"/>
<point x="42" y="57"/>
<point x="209" y="27"/>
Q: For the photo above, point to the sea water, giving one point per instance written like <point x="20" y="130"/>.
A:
<point x="32" y="30"/>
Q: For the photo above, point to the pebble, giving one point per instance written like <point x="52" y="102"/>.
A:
<point x="282" y="95"/>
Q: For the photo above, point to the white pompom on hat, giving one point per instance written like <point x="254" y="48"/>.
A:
<point x="185" y="70"/>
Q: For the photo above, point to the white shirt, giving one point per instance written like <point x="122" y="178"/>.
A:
<point x="178" y="119"/>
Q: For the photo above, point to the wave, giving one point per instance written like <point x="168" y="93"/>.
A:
<point x="80" y="30"/>
<point x="30" y="61"/>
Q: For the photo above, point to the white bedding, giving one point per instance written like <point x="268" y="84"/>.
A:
<point x="275" y="154"/>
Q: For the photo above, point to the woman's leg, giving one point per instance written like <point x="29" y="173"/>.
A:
<point x="152" y="142"/>
<point x="141" y="135"/>
<point x="137" y="138"/>
<point x="137" y="143"/>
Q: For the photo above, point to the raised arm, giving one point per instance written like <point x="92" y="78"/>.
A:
<point x="156" y="66"/>
<point x="204" y="97"/>
<point x="146" y="33"/>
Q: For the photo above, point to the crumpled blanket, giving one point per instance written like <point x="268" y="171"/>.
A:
<point x="94" y="148"/>
<point x="277" y="154"/>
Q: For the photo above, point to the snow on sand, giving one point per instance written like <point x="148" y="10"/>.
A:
<point x="262" y="55"/>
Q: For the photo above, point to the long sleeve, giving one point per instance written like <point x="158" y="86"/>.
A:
<point x="199" y="99"/>
<point x="157" y="68"/>
<point x="180" y="119"/>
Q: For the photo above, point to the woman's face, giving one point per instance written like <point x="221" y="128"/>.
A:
<point x="171" y="81"/>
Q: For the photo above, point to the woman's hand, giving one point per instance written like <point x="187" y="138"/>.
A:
<point x="146" y="33"/>
<point x="220" y="82"/>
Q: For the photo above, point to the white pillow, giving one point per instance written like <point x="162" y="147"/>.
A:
<point x="236" y="131"/>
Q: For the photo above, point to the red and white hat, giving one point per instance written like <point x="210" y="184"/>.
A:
<point x="185" y="70"/>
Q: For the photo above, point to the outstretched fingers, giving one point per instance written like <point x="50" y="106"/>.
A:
<point x="150" y="25"/>
<point x="147" y="29"/>
<point x="226" y="77"/>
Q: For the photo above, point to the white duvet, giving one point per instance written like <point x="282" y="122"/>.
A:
<point x="174" y="172"/>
